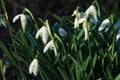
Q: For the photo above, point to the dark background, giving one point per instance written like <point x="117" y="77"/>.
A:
<point x="44" y="8"/>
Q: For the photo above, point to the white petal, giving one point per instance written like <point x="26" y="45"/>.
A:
<point x="35" y="71"/>
<point x="74" y="13"/>
<point x="43" y="32"/>
<point x="48" y="45"/>
<point x="104" y="24"/>
<point x="39" y="32"/>
<point x="31" y="68"/>
<point x="95" y="15"/>
<point x="106" y="29"/>
<point x="76" y="23"/>
<point x="88" y="10"/>
<point x="118" y="35"/>
<point x="32" y="65"/>
<point x="85" y="26"/>
<point x="23" y="21"/>
<point x="101" y="28"/>
<point x="45" y="36"/>
<point x="62" y="32"/>
<point x="16" y="17"/>
<point x="81" y="20"/>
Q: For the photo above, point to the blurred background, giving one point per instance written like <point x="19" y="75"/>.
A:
<point x="45" y="8"/>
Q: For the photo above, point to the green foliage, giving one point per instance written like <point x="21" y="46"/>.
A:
<point x="77" y="59"/>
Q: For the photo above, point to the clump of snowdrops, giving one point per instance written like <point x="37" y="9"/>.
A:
<point x="81" y="46"/>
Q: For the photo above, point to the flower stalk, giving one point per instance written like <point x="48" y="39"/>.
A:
<point x="1" y="70"/>
<point x="52" y="39"/>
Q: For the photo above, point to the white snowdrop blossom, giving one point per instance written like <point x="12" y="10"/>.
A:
<point x="62" y="32"/>
<point x="23" y="20"/>
<point x="76" y="23"/>
<point x="92" y="10"/>
<point x="44" y="33"/>
<point x="49" y="45"/>
<point x="85" y="19"/>
<point x="78" y="16"/>
<point x="118" y="35"/>
<point x="33" y="68"/>
<point x="105" y="25"/>
<point x="81" y="17"/>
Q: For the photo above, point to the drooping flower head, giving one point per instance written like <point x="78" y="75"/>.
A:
<point x="85" y="19"/>
<point x="33" y="68"/>
<point x="23" y="19"/>
<point x="105" y="25"/>
<point x="51" y="45"/>
<point x="92" y="10"/>
<point x="77" y="15"/>
<point x="62" y="32"/>
<point x="44" y="33"/>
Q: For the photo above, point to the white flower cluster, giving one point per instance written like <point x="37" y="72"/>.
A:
<point x="82" y="17"/>
<point x="86" y="19"/>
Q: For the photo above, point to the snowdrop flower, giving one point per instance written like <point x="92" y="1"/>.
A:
<point x="44" y="33"/>
<point x="62" y="32"/>
<point x="2" y="21"/>
<point x="78" y="16"/>
<point x="50" y="45"/>
<point x="23" y="19"/>
<point x="92" y="10"/>
<point x="105" y="25"/>
<point x="33" y="68"/>
<point x="76" y="23"/>
<point x="118" y="35"/>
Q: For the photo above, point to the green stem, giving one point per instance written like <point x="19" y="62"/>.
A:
<point x="61" y="43"/>
<point x="37" y="56"/>
<point x="86" y="24"/>
<point x="51" y="36"/>
<point x="1" y="70"/>
<point x="114" y="38"/>
<point x="36" y="25"/>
